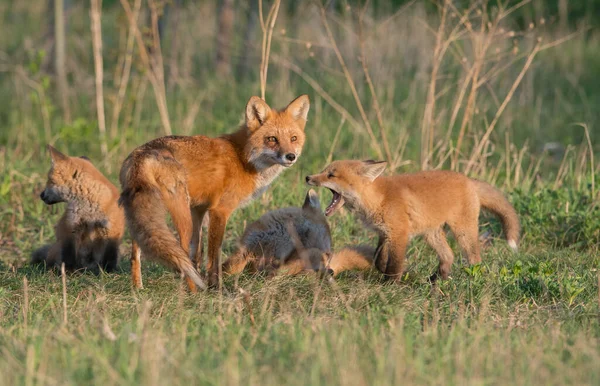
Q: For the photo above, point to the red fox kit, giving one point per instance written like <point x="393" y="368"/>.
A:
<point x="89" y="233"/>
<point x="403" y="206"/>
<point x="188" y="177"/>
<point x="291" y="239"/>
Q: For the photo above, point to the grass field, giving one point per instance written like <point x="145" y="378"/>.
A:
<point x="519" y="112"/>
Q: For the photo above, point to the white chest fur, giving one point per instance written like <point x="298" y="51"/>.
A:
<point x="262" y="183"/>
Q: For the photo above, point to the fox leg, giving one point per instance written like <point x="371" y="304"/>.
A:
<point x="380" y="259"/>
<point x="395" y="250"/>
<point x="467" y="234"/>
<point x="216" y="231"/>
<point x="437" y="240"/>
<point x="68" y="254"/>
<point x="181" y="215"/>
<point x="110" y="256"/>
<point x="197" y="246"/>
<point x="136" y="265"/>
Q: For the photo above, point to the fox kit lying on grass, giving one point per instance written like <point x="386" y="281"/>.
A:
<point x="215" y="175"/>
<point x="291" y="239"/>
<point x="295" y="240"/>
<point x="89" y="233"/>
<point x="403" y="206"/>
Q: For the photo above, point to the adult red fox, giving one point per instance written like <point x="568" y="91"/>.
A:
<point x="188" y="177"/>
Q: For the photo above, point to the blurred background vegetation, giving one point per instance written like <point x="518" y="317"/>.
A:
<point x="507" y="91"/>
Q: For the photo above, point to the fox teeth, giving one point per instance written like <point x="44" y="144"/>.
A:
<point x="336" y="200"/>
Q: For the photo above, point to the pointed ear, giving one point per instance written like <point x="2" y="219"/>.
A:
<point x="257" y="112"/>
<point x="298" y="108"/>
<point x="373" y="169"/>
<point x="311" y="200"/>
<point x="56" y="155"/>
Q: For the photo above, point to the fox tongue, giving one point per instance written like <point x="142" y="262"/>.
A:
<point x="337" y="201"/>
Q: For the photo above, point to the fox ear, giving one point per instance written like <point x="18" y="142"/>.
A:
<point x="298" y="108"/>
<point x="311" y="200"/>
<point x="373" y="169"/>
<point x="56" y="155"/>
<point x="257" y="112"/>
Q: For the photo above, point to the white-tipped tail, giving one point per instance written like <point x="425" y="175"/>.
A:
<point x="513" y="245"/>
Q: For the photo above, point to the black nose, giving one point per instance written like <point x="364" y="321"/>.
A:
<point x="307" y="179"/>
<point x="290" y="156"/>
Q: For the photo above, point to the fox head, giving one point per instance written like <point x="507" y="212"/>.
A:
<point x="275" y="137"/>
<point x="346" y="179"/>
<point x="65" y="177"/>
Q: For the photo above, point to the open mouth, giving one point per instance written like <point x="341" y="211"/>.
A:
<point x="337" y="201"/>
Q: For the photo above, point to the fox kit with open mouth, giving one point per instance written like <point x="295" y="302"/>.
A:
<point x="403" y="206"/>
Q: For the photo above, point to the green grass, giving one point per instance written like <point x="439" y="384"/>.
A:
<point x="526" y="318"/>
<point x="529" y="318"/>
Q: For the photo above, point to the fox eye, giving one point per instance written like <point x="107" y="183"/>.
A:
<point x="75" y="174"/>
<point x="294" y="138"/>
<point x="272" y="139"/>
<point x="330" y="175"/>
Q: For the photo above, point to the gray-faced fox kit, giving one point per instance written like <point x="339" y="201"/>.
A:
<point x="90" y="231"/>
<point x="403" y="206"/>
<point x="294" y="240"/>
<point x="290" y="239"/>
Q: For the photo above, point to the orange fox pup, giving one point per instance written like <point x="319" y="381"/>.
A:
<point x="290" y="240"/>
<point x="89" y="233"/>
<point x="403" y="206"/>
<point x="187" y="177"/>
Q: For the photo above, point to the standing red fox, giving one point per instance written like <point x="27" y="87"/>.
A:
<point x="215" y="175"/>
<point x="403" y="206"/>
<point x="89" y="233"/>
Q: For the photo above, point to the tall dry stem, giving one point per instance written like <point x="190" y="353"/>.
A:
<point x="363" y="61"/>
<point x="153" y="62"/>
<point x="124" y="79"/>
<point x="95" y="16"/>
<point x="267" y="29"/>
<point x="350" y="81"/>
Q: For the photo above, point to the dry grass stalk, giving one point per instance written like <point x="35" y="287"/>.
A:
<point x="477" y="151"/>
<point x="152" y="61"/>
<point x="591" y="151"/>
<point x="95" y="17"/>
<point x="363" y="61"/>
<point x="319" y="90"/>
<point x="427" y="127"/>
<point x="25" y="303"/>
<point x="64" y="292"/>
<point x="340" y="58"/>
<point x="267" y="29"/>
<point x="124" y="78"/>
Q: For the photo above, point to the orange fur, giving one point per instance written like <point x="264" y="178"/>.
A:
<point x="90" y="231"/>
<point x="188" y="177"/>
<point x="403" y="206"/>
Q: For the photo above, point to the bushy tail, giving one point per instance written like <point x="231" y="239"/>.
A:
<point x="146" y="217"/>
<point x="352" y="258"/>
<point x="494" y="201"/>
